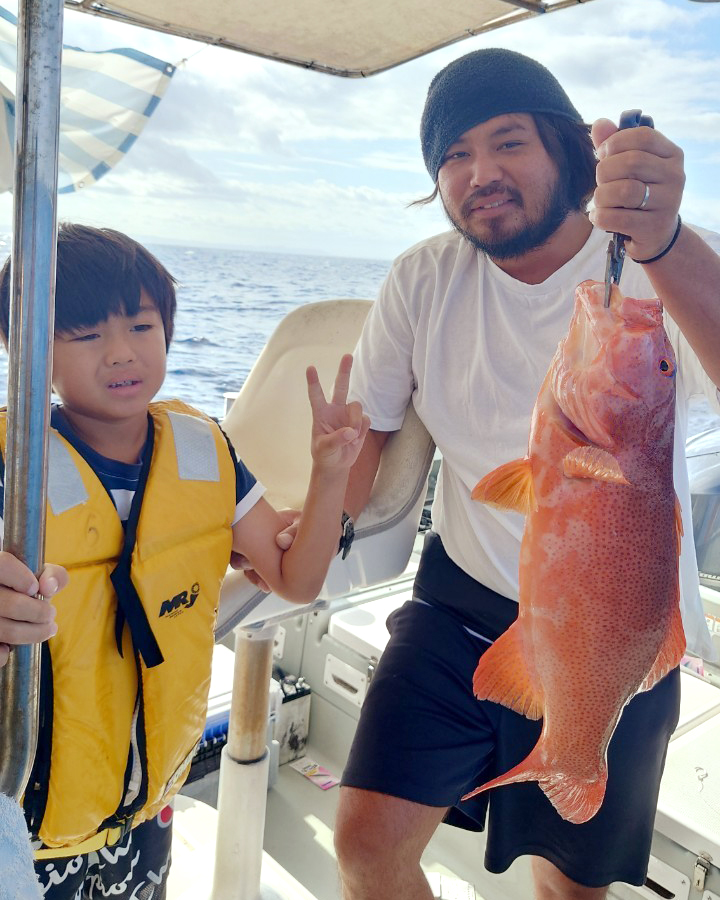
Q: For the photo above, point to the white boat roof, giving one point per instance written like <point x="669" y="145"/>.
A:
<point x="350" y="38"/>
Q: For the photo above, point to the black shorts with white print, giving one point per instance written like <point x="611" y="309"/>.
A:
<point x="136" y="868"/>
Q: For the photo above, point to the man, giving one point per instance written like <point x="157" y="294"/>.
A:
<point x="466" y="325"/>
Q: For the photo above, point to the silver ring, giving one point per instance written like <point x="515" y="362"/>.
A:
<point x="645" y="198"/>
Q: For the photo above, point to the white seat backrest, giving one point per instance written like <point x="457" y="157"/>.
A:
<point x="269" y="422"/>
<point x="269" y="425"/>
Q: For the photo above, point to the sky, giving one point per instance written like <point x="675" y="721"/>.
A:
<point x="257" y="154"/>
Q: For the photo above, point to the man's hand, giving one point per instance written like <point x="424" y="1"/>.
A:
<point x="339" y="427"/>
<point x="629" y="161"/>
<point x="284" y="541"/>
<point x="25" y="618"/>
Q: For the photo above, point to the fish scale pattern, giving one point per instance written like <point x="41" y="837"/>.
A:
<point x="596" y="624"/>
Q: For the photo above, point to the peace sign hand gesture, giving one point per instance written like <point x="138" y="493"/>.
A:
<point x="338" y="427"/>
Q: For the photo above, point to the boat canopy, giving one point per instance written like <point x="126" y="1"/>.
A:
<point x="351" y="38"/>
<point x="106" y="100"/>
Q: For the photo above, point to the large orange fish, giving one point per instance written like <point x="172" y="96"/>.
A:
<point x="599" y="616"/>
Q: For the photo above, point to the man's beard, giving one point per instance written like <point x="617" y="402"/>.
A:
<point x="511" y="246"/>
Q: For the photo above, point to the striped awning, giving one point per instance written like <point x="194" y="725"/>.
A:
<point x="106" y="100"/>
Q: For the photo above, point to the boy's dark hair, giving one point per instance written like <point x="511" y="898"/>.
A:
<point x="570" y="147"/>
<point x="99" y="274"/>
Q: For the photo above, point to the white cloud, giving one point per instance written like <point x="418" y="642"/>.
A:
<point x="393" y="162"/>
<point x="262" y="216"/>
<point x="246" y="149"/>
<point x="625" y="55"/>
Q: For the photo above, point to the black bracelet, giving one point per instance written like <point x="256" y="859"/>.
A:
<point x="669" y="247"/>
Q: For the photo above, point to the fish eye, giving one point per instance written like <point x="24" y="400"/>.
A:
<point x="667" y="367"/>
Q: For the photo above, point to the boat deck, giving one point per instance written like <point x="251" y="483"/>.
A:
<point x="300" y="815"/>
<point x="299" y="835"/>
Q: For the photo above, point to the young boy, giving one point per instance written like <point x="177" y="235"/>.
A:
<point x="145" y="503"/>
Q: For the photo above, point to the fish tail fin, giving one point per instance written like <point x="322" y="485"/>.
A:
<point x="576" y="799"/>
<point x="502" y="676"/>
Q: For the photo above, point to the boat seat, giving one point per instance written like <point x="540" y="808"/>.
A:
<point x="269" y="425"/>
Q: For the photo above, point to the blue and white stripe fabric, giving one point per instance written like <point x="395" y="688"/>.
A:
<point x="106" y="100"/>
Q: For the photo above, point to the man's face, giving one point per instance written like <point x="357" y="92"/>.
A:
<point x="500" y="187"/>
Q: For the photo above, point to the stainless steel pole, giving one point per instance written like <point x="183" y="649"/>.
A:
<point x="30" y="354"/>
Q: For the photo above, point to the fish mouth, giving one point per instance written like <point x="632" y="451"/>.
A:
<point x="584" y="381"/>
<point x="572" y="395"/>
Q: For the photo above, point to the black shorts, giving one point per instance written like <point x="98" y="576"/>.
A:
<point x="424" y="737"/>
<point x="136" y="868"/>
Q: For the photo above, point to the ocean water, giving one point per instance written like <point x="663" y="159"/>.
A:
<point x="229" y="303"/>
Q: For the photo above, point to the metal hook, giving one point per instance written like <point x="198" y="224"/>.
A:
<point x="631" y="118"/>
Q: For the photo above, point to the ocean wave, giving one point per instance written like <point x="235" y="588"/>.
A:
<point x="196" y="342"/>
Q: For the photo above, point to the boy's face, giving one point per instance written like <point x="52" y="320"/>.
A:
<point x="110" y="371"/>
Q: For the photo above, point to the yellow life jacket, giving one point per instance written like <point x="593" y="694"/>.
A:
<point x="135" y="629"/>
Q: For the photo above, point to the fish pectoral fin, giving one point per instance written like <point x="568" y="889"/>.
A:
<point x="510" y="486"/>
<point x="671" y="652"/>
<point x="593" y="462"/>
<point x="502" y="676"/>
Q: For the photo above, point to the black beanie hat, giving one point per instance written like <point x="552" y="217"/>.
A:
<point x="480" y="85"/>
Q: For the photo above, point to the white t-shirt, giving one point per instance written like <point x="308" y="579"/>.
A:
<point x="471" y="346"/>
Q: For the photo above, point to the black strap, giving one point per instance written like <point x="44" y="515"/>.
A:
<point x="130" y="608"/>
<point x="124" y="816"/>
<point x="36" y="793"/>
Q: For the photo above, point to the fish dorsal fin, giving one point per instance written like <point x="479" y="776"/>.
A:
<point x="593" y="462"/>
<point x="671" y="652"/>
<point x="502" y="676"/>
<point x="510" y="486"/>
